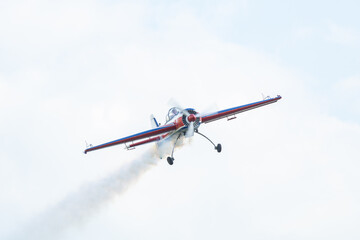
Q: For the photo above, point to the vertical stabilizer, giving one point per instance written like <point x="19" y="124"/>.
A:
<point x="154" y="123"/>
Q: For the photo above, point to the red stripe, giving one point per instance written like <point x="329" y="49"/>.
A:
<point x="145" y="141"/>
<point x="234" y="111"/>
<point x="125" y="140"/>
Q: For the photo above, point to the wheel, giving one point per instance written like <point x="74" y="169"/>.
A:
<point x="218" y="147"/>
<point x="170" y="160"/>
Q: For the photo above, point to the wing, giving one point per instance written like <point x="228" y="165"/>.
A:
<point x="141" y="135"/>
<point x="232" y="111"/>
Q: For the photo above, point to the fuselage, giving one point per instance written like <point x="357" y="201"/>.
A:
<point x="181" y="120"/>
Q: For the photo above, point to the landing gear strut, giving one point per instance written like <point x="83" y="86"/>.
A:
<point x="171" y="159"/>
<point x="217" y="147"/>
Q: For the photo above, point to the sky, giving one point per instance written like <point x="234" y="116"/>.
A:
<point x="78" y="70"/>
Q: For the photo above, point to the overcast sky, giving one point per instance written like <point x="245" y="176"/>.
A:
<point x="72" y="71"/>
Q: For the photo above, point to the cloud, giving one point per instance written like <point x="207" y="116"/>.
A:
<point x="343" y="35"/>
<point x="349" y="85"/>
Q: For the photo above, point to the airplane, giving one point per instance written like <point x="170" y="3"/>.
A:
<point x="180" y="122"/>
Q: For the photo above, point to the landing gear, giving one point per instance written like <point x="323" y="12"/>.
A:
<point x="217" y="147"/>
<point x="170" y="160"/>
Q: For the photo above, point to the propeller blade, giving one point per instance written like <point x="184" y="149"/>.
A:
<point x="173" y="103"/>
<point x="190" y="130"/>
<point x="185" y="112"/>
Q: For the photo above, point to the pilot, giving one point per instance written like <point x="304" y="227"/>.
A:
<point x="175" y="111"/>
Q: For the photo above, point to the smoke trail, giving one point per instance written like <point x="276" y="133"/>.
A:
<point x="79" y="206"/>
<point x="164" y="148"/>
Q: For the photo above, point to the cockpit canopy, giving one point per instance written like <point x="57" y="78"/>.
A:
<point x="172" y="113"/>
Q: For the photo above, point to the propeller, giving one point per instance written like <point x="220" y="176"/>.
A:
<point x="190" y="130"/>
<point x="190" y="116"/>
<point x="173" y="103"/>
<point x="191" y="119"/>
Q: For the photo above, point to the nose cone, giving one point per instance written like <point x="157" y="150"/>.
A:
<point x="191" y="118"/>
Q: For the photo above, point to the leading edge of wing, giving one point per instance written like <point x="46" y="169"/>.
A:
<point x="137" y="136"/>
<point x="232" y="111"/>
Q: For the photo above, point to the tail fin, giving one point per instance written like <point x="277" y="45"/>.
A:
<point x="154" y="123"/>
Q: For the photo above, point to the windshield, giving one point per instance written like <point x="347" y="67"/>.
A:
<point x="172" y="113"/>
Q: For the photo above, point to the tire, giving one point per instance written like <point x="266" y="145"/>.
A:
<point x="170" y="160"/>
<point x="218" y="148"/>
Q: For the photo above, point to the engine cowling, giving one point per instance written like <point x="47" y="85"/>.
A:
<point x="191" y="118"/>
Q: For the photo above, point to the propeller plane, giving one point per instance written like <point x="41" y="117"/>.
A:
<point x="180" y="122"/>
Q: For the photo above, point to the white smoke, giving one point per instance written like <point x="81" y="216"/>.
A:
<point x="164" y="148"/>
<point x="77" y="207"/>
